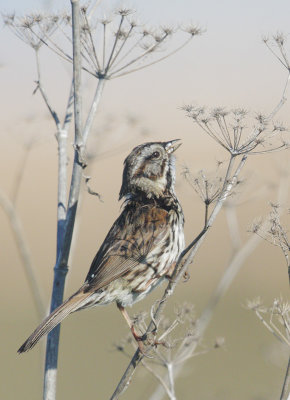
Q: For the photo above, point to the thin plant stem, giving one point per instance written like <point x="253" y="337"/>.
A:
<point x="171" y="380"/>
<point x="115" y="74"/>
<point x="104" y="44"/>
<point x="284" y="55"/>
<point x="43" y="93"/>
<point x="149" y="50"/>
<point x="24" y="252"/>
<point x="282" y="101"/>
<point x="69" y="109"/>
<point x="122" y="46"/>
<point x="158" y="377"/>
<point x="19" y="175"/>
<point x="286" y="383"/>
<point x="114" y="44"/>
<point x="278" y="335"/>
<point x="61" y="264"/>
<point x="233" y="226"/>
<point x="93" y="9"/>
<point x="54" y="46"/>
<point x="61" y="137"/>
<point x="130" y="50"/>
<point x="92" y="44"/>
<point x="206" y="214"/>
<point x="276" y="55"/>
<point x="93" y="109"/>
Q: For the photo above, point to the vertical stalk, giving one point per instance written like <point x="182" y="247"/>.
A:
<point x="24" y="252"/>
<point x="93" y="109"/>
<point x="61" y="137"/>
<point x="171" y="381"/>
<point x="78" y="166"/>
<point x="60" y="269"/>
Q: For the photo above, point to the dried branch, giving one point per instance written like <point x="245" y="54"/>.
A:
<point x="286" y="383"/>
<point x="273" y="232"/>
<point x="260" y="310"/>
<point x="167" y="390"/>
<point x="276" y="45"/>
<point x="43" y="93"/>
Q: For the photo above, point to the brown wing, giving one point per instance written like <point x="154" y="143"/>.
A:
<point x="129" y="242"/>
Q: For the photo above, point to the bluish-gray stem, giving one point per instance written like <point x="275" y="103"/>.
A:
<point x="61" y="268"/>
<point x="66" y="226"/>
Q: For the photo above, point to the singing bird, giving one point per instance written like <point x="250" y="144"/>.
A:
<point x="143" y="245"/>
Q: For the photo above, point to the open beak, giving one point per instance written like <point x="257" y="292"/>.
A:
<point x="172" y="146"/>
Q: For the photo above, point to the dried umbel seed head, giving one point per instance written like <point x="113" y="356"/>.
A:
<point x="33" y="29"/>
<point x="208" y="188"/>
<point x="234" y="132"/>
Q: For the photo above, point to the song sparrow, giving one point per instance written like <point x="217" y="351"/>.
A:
<point x="143" y="244"/>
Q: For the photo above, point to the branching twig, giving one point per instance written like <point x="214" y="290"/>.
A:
<point x="43" y="93"/>
<point x="160" y="379"/>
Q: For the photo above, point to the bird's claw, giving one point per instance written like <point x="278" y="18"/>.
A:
<point x="141" y="339"/>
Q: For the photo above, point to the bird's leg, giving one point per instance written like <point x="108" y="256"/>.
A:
<point x="130" y="323"/>
<point x="170" y="271"/>
<point x="139" y="339"/>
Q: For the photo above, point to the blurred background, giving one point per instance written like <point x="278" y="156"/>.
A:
<point x="226" y="66"/>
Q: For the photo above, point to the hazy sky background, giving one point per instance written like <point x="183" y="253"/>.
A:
<point x="227" y="65"/>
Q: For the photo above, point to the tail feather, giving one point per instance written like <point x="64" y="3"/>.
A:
<point x="73" y="303"/>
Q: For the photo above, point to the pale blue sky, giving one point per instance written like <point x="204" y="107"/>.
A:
<point x="228" y="65"/>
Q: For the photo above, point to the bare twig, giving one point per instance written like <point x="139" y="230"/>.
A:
<point x="43" y="93"/>
<point x="160" y="379"/>
<point x="286" y="383"/>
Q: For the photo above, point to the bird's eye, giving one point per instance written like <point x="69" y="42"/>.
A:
<point x="155" y="155"/>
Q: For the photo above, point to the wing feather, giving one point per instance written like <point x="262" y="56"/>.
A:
<point x="128" y="244"/>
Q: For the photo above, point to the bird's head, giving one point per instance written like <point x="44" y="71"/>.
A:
<point x="150" y="170"/>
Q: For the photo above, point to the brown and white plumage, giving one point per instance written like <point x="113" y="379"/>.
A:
<point x="143" y="243"/>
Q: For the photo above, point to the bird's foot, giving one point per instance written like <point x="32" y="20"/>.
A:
<point x="145" y="343"/>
